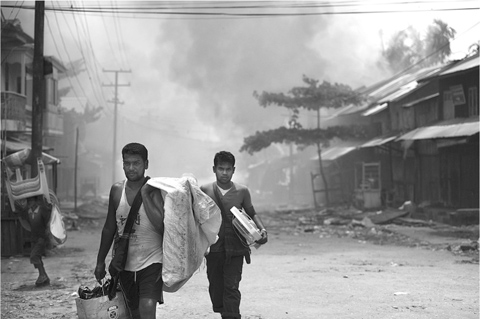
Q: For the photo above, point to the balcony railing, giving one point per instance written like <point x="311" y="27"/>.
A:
<point x="17" y="115"/>
<point x="14" y="116"/>
<point x="13" y="106"/>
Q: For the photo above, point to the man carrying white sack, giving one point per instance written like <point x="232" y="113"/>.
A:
<point x="139" y="278"/>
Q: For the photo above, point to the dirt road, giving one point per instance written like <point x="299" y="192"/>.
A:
<point x="318" y="271"/>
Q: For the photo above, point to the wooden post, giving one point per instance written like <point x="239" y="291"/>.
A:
<point x="75" y="172"/>
<point x="38" y="101"/>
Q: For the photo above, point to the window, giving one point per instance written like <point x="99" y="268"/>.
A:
<point x="472" y="101"/>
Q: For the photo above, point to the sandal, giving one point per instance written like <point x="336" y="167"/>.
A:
<point x="42" y="280"/>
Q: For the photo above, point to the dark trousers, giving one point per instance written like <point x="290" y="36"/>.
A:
<point x="224" y="279"/>
<point x="38" y="224"/>
<point x="145" y="283"/>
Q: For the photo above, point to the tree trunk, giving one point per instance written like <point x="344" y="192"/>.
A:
<point x="322" y="174"/>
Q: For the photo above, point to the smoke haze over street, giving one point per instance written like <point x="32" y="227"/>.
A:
<point x="189" y="92"/>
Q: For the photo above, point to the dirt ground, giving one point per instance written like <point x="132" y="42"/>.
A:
<point x="310" y="268"/>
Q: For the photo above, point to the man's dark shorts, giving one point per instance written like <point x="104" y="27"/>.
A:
<point x="146" y="283"/>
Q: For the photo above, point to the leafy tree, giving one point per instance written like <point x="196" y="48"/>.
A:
<point x="312" y="96"/>
<point x="403" y="49"/>
<point x="407" y="49"/>
<point x="437" y="42"/>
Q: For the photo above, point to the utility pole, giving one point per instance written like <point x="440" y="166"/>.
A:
<point x="116" y="102"/>
<point x="75" y="172"/>
<point x="38" y="101"/>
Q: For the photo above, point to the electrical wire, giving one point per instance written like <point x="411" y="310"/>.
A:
<point x="336" y="8"/>
<point x="11" y="12"/>
<point x="58" y="51"/>
<point x="108" y="38"/>
<point x="120" y="41"/>
<point x="85" y="52"/>
<point x="85" y="60"/>
<point x="87" y="64"/>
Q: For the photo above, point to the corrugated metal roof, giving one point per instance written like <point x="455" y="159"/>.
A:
<point x="399" y="93"/>
<point x="448" y="129"/>
<point x="462" y="66"/>
<point x="338" y="151"/>
<point x="455" y="67"/>
<point x="391" y="90"/>
<point x="380" y="140"/>
<point x="425" y="98"/>
<point x="391" y="86"/>
<point x="407" y="81"/>
<point x="376" y="109"/>
<point x="352" y="109"/>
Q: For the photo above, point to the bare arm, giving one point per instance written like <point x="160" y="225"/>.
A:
<point x="108" y="232"/>
<point x="154" y="206"/>
<point x="258" y="221"/>
<point x="263" y="231"/>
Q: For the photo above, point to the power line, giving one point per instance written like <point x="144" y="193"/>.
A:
<point x="18" y="11"/>
<point x="83" y="57"/>
<point x="58" y="51"/>
<point x="11" y="12"/>
<point x="119" y="37"/>
<point x="87" y="39"/>
<point x="337" y="9"/>
<point x="108" y="38"/>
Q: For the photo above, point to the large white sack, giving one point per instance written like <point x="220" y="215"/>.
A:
<point x="192" y="221"/>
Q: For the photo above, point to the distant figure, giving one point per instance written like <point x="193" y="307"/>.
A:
<point x="141" y="281"/>
<point x="37" y="213"/>
<point x="225" y="260"/>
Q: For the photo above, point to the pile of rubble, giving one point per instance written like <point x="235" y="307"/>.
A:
<point x="380" y="227"/>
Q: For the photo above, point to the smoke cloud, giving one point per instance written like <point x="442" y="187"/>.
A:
<point x="190" y="90"/>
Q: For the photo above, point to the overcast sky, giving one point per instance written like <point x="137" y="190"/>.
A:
<point x="192" y="77"/>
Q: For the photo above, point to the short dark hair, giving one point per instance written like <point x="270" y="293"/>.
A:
<point x="224" y="157"/>
<point x="135" y="149"/>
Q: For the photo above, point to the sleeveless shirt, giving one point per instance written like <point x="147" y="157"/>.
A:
<point x="146" y="243"/>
